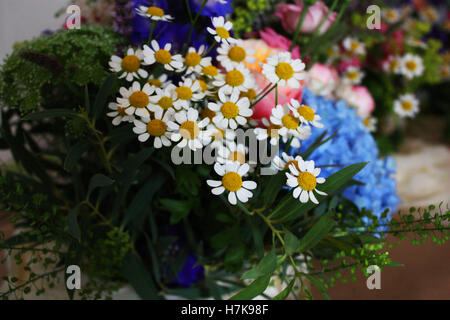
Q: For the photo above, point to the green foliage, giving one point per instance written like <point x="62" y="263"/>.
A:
<point x="246" y="13"/>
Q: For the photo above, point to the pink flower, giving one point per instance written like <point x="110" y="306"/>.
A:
<point x="290" y="15"/>
<point x="352" y="62"/>
<point x="277" y="41"/>
<point x="322" y="79"/>
<point x="263" y="108"/>
<point x="358" y="97"/>
<point x="394" y="45"/>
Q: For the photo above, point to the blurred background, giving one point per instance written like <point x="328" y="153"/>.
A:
<point x="426" y="270"/>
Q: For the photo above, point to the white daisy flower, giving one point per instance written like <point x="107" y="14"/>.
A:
<point x="118" y="114"/>
<point x="221" y="30"/>
<point x="186" y="92"/>
<point x="406" y="105"/>
<point x="129" y="66"/>
<point x="188" y="131"/>
<point x="332" y="53"/>
<point x="416" y="43"/>
<point x="269" y="132"/>
<point x="290" y="125"/>
<point x="194" y="60"/>
<point x="162" y="56"/>
<point x="204" y="87"/>
<point x="371" y="124"/>
<point x="230" y="110"/>
<point x="136" y="100"/>
<point x="154" y="13"/>
<point x="307" y="115"/>
<point x="220" y="137"/>
<point x="304" y="180"/>
<point x="160" y="82"/>
<point x="230" y="56"/>
<point x="232" y="173"/>
<point x="156" y="127"/>
<point x="392" y="65"/>
<point x="285" y="161"/>
<point x="353" y="46"/>
<point x="411" y="66"/>
<point x="391" y="15"/>
<point x="284" y="70"/>
<point x="352" y="75"/>
<point x="163" y="99"/>
<point x="238" y="80"/>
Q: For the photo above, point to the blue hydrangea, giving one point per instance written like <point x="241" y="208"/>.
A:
<point x="352" y="143"/>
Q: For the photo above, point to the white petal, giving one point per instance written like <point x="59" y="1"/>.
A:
<point x="232" y="198"/>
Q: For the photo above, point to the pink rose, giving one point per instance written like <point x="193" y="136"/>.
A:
<point x="290" y="15"/>
<point x="358" y="97"/>
<point x="263" y="108"/>
<point x="322" y="79"/>
<point x="277" y="41"/>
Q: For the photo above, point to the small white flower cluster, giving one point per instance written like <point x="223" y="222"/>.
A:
<point x="209" y="102"/>
<point x="408" y="65"/>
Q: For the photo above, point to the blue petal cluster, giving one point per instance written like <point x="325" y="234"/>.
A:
<point x="352" y="143"/>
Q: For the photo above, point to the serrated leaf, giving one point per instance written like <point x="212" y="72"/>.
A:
<point x="254" y="289"/>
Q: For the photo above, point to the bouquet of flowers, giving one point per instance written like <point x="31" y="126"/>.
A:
<point x="171" y="154"/>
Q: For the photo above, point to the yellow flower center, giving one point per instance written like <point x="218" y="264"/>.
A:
<point x="165" y="102"/>
<point x="307" y="181"/>
<point x="250" y="94"/>
<point x="306" y="112"/>
<point x="207" y="113"/>
<point x="155" y="11"/>
<point x="121" y="111"/>
<point x="219" y="134"/>
<point x="156" y="127"/>
<point x="411" y="65"/>
<point x="229" y="110"/>
<point x="354" y="46"/>
<point x="163" y="56"/>
<point x="294" y="162"/>
<point x="290" y="122"/>
<point x="284" y="70"/>
<point x="131" y="63"/>
<point x="222" y="32"/>
<point x="237" y="54"/>
<point x="234" y="78"/>
<point x="352" y="75"/>
<point x="210" y="71"/>
<point x="366" y="122"/>
<point x="155" y="82"/>
<point x="203" y="84"/>
<point x="189" y="130"/>
<point x="139" y="99"/>
<point x="184" y="93"/>
<point x="407" y="105"/>
<point x="390" y="14"/>
<point x="232" y="181"/>
<point x="272" y="130"/>
<point x="393" y="65"/>
<point x="193" y="59"/>
<point x="237" y="156"/>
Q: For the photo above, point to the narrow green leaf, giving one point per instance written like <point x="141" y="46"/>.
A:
<point x="273" y="187"/>
<point x="99" y="180"/>
<point x="319" y="285"/>
<point x="291" y="242"/>
<point x="286" y="291"/>
<point x="139" y="277"/>
<point x="319" y="230"/>
<point x="102" y="96"/>
<point x="254" y="289"/>
<point x="72" y="224"/>
<point x="268" y="264"/>
<point x="51" y="113"/>
<point x="179" y="209"/>
<point x="74" y="154"/>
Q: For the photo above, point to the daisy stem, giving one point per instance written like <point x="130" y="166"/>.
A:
<point x="263" y="96"/>
<point x="288" y="145"/>
<point x="263" y="90"/>
<point x="151" y="32"/>
<point x="299" y="24"/>
<point x="276" y="95"/>
<point x="210" y="48"/>
<point x="193" y="22"/>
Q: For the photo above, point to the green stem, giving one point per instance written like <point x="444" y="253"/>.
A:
<point x="210" y="48"/>
<point x="263" y="96"/>
<point x="193" y="23"/>
<point x="299" y="24"/>
<point x="151" y="32"/>
<point x="288" y="145"/>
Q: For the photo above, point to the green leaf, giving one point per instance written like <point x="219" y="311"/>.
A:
<point x="291" y="243"/>
<point x="51" y="113"/>
<point x="72" y="224"/>
<point x="319" y="230"/>
<point x="102" y="96"/>
<point x="234" y="257"/>
<point x="99" y="180"/>
<point x="273" y="187"/>
<point x="317" y="143"/>
<point x="286" y="291"/>
<point x="268" y="264"/>
<point x="179" y="209"/>
<point x="254" y="289"/>
<point x="319" y="285"/>
<point x="74" y="154"/>
<point x="139" y="277"/>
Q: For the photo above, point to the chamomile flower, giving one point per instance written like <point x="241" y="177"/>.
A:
<point x="186" y="92"/>
<point x="352" y="75"/>
<point x="188" y="131"/>
<point x="371" y="124"/>
<point x="411" y="65"/>
<point x="194" y="60"/>
<point x="160" y="82"/>
<point x="221" y="30"/>
<point x="232" y="173"/>
<point x="303" y="178"/>
<point x="129" y="66"/>
<point x="270" y="132"/>
<point x="154" y="13"/>
<point x="162" y="56"/>
<point x="406" y="105"/>
<point x="237" y="80"/>
<point x="118" y="114"/>
<point x="163" y="99"/>
<point x="416" y="43"/>
<point x="284" y="70"/>
<point x="332" y="53"/>
<point x="220" y="137"/>
<point x="353" y="47"/>
<point x="230" y="110"/>
<point x="290" y="125"/>
<point x="136" y="100"/>
<point x="283" y="162"/>
<point x="210" y="72"/>
<point x="230" y="56"/>
<point x="392" y="65"/>
<point x="391" y="15"/>
<point x="306" y="114"/>
<point x="156" y="127"/>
